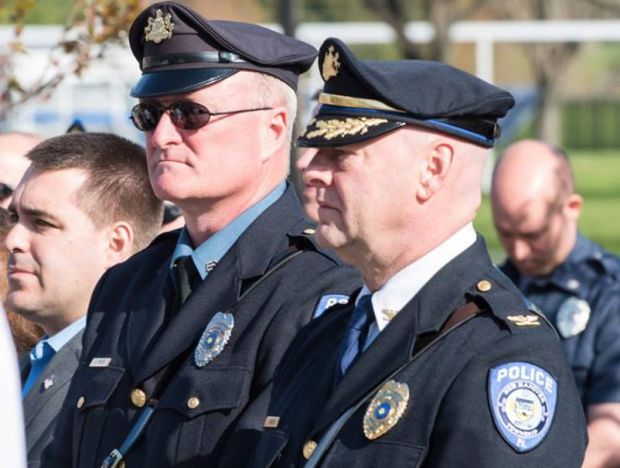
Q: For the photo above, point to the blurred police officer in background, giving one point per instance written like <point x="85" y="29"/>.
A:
<point x="436" y="361"/>
<point x="13" y="163"/>
<point x="83" y="205"/>
<point x="183" y="339"/>
<point x="572" y="280"/>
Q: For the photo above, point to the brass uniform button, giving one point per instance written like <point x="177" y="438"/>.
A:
<point x="309" y="448"/>
<point x="193" y="403"/>
<point x="121" y="464"/>
<point x="309" y="231"/>
<point x="80" y="402"/>
<point x="484" y="286"/>
<point x="138" y="397"/>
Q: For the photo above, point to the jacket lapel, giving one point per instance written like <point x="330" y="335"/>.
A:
<point x="57" y="374"/>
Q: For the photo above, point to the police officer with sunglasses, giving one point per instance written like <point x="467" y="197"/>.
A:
<point x="183" y="339"/>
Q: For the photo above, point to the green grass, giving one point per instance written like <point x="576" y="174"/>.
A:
<point x="597" y="174"/>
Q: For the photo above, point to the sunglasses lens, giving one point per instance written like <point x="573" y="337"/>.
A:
<point x="183" y="114"/>
<point x="145" y="116"/>
<point x="189" y="115"/>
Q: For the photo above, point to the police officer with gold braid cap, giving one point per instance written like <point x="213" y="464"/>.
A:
<point x="183" y="339"/>
<point x="436" y="361"/>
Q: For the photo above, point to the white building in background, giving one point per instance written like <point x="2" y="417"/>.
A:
<point x="100" y="97"/>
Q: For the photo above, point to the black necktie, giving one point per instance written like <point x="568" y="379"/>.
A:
<point x="187" y="276"/>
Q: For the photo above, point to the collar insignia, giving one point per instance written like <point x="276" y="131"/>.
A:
<point x="525" y="320"/>
<point x="159" y="28"/>
<point x="331" y="64"/>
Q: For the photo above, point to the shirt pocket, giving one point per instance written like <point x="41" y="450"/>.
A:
<point x="374" y="454"/>
<point x="92" y="417"/>
<point x="197" y="409"/>
<point x="195" y="391"/>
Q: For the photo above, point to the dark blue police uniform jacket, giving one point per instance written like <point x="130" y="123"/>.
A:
<point x="449" y="419"/>
<point x="202" y="408"/>
<point x="590" y="274"/>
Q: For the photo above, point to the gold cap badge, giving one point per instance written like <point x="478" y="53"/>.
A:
<point x="331" y="64"/>
<point x="159" y="28"/>
<point x="385" y="409"/>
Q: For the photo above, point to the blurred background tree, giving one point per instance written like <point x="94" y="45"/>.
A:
<point x="89" y="26"/>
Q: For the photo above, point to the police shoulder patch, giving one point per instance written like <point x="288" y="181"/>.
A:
<point x="327" y="301"/>
<point x="523" y="399"/>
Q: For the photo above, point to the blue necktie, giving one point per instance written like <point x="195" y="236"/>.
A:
<point x="40" y="356"/>
<point x="357" y="331"/>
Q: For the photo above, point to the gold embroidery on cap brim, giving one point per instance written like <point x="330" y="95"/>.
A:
<point x="329" y="129"/>
<point x="159" y="28"/>
<point x="331" y="64"/>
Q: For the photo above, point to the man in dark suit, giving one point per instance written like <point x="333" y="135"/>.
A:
<point x="436" y="362"/>
<point x="83" y="205"/>
<point x="183" y="339"/>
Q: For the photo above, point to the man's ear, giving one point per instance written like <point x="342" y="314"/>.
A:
<point x="572" y="206"/>
<point x="120" y="243"/>
<point x="435" y="169"/>
<point x="276" y="131"/>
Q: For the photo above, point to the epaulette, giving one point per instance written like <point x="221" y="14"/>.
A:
<point x="507" y="304"/>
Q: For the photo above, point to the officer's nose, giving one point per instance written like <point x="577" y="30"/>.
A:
<point x="318" y="171"/>
<point x="164" y="134"/>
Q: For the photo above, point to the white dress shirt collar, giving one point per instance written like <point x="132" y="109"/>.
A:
<point x="405" y="284"/>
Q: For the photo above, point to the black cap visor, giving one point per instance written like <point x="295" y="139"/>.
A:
<point x="181" y="81"/>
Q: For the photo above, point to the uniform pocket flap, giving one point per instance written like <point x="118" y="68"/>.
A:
<point x="195" y="391"/>
<point x="271" y="444"/>
<point x="101" y="384"/>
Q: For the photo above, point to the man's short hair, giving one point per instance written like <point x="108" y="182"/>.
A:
<point x="270" y="91"/>
<point x="117" y="188"/>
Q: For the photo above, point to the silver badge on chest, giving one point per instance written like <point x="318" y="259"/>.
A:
<point x="214" y="338"/>
<point x="573" y="317"/>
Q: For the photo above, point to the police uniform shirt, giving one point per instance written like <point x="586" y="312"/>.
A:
<point x="581" y="298"/>
<point x="131" y="337"/>
<point x="494" y="391"/>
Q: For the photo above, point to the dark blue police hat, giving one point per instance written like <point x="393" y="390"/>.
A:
<point x="180" y="51"/>
<point x="364" y="99"/>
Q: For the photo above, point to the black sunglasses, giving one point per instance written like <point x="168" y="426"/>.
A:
<point x="5" y="191"/>
<point x="187" y="115"/>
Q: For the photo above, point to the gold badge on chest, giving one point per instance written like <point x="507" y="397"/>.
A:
<point x="385" y="409"/>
